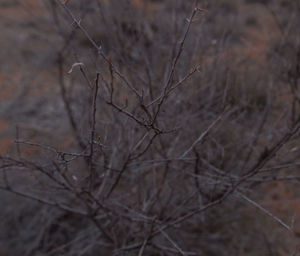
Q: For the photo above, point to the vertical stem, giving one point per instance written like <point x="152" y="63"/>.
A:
<point x="92" y="135"/>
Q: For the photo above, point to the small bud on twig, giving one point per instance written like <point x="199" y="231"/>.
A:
<point x="201" y="10"/>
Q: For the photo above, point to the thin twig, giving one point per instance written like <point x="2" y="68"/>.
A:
<point x="201" y="137"/>
<point x="265" y="211"/>
<point x="92" y="135"/>
<point x="99" y="48"/>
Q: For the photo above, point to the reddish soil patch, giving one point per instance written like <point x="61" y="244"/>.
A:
<point x="23" y="11"/>
<point x="5" y="144"/>
<point x="3" y="126"/>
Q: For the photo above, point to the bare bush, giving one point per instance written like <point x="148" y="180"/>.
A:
<point x="160" y="135"/>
